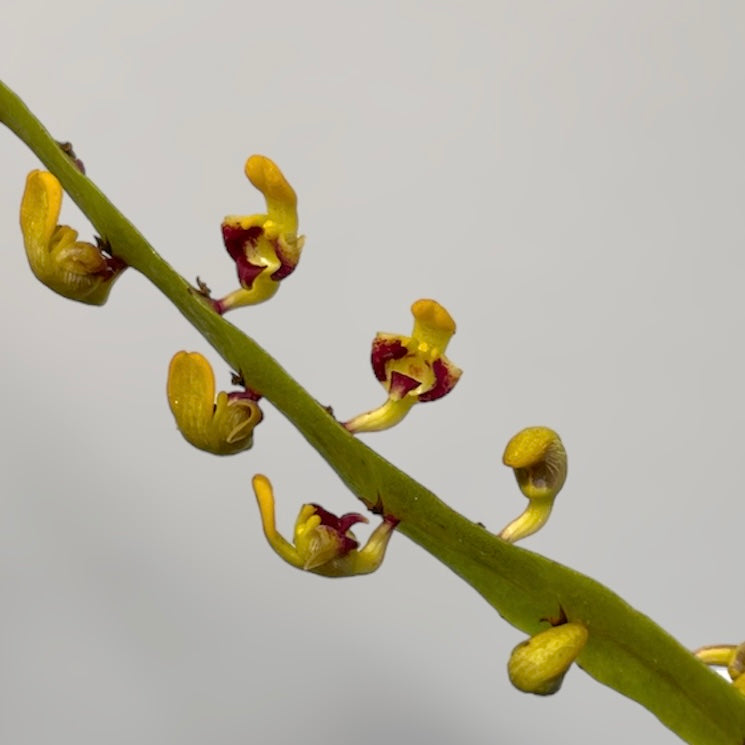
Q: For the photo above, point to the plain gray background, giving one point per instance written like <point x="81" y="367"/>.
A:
<point x="566" y="178"/>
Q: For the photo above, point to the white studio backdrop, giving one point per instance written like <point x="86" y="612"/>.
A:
<point x="566" y="178"/>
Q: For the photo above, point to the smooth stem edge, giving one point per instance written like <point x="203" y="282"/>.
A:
<point x="626" y="650"/>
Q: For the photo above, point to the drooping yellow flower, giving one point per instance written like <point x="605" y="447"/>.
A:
<point x="74" y="269"/>
<point x="323" y="543"/>
<point x="539" y="460"/>
<point x="266" y="248"/>
<point x="411" y="368"/>
<point x="223" y="426"/>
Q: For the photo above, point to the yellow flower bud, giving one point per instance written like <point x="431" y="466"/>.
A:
<point x="223" y="426"/>
<point x="539" y="460"/>
<point x="74" y="269"/>
<point x="539" y="664"/>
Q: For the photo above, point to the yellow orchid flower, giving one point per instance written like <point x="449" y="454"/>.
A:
<point x="223" y="426"/>
<point x="539" y="460"/>
<point x="266" y="248"/>
<point x="323" y="543"/>
<point x="74" y="269"/>
<point x="411" y="368"/>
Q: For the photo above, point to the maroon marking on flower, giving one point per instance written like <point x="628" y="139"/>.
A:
<point x="287" y="261"/>
<point x="247" y="272"/>
<point x="402" y="384"/>
<point x="392" y="520"/>
<point x="237" y="238"/>
<point x="247" y="395"/>
<point x="383" y="351"/>
<point x="113" y="265"/>
<point x="340" y="526"/>
<point x="446" y="376"/>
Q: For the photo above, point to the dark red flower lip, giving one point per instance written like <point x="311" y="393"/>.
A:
<point x="340" y="526"/>
<point x="383" y="351"/>
<point x="402" y="384"/>
<point x="236" y="239"/>
<point x="287" y="262"/>
<point x="445" y="380"/>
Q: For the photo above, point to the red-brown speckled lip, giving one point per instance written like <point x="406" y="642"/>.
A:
<point x="236" y="239"/>
<point x="340" y="526"/>
<point x="402" y="384"/>
<point x="383" y="351"/>
<point x="288" y="263"/>
<point x="446" y="376"/>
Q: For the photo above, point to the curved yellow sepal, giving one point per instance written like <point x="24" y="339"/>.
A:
<point x="281" y="200"/>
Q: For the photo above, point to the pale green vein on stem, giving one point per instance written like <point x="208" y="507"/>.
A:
<point x="625" y="650"/>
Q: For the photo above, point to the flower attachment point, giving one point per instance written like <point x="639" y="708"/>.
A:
<point x="539" y="664"/>
<point x="323" y="543"/>
<point x="411" y="368"/>
<point x="223" y="426"/>
<point x="72" y="268"/>
<point x="266" y="248"/>
<point x="538" y="458"/>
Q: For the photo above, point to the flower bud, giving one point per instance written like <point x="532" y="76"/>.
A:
<point x="539" y="664"/>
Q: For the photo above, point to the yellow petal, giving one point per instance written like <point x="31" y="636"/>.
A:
<point x="265" y="499"/>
